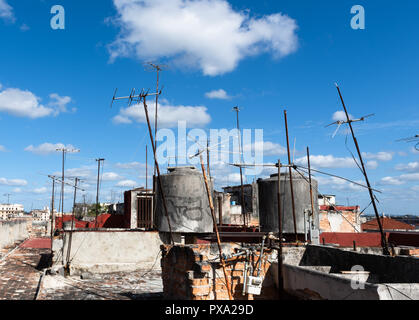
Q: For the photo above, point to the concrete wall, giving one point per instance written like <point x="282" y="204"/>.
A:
<point x="108" y="251"/>
<point x="315" y="273"/>
<point x="387" y="269"/>
<point x="346" y="221"/>
<point x="13" y="231"/>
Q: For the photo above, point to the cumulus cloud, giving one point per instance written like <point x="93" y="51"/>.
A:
<point x="40" y="190"/>
<point x="13" y="182"/>
<point x="217" y="94"/>
<point x="339" y="184"/>
<point x="110" y="176"/>
<point x="380" y="156"/>
<point x="266" y="147"/>
<point x="130" y="165"/>
<point x="328" y="161"/>
<point x="126" y="184"/>
<point x="60" y="103"/>
<point x="23" y="103"/>
<point x="48" y="148"/>
<point x="402" y="179"/>
<point x="168" y="115"/>
<point x="410" y="167"/>
<point x="6" y="11"/>
<point x="372" y="164"/>
<point x="205" y="34"/>
<point x="340" y="116"/>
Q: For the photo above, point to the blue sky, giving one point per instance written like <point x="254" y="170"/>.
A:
<point x="56" y="87"/>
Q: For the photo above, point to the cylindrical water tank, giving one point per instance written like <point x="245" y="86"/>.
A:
<point x="187" y="202"/>
<point x="268" y="203"/>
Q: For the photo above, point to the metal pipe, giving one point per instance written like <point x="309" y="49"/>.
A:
<point x="290" y="172"/>
<point x="280" y="269"/>
<point x="245" y="273"/>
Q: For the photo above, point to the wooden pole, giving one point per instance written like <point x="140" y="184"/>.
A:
<point x="216" y="229"/>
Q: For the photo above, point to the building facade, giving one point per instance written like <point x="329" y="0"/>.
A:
<point x="11" y="210"/>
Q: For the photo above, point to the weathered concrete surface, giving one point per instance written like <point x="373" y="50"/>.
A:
<point x="187" y="202"/>
<point x="139" y="285"/>
<point x="108" y="251"/>
<point x="318" y="272"/>
<point x="268" y="203"/>
<point x="20" y="272"/>
<point x="13" y="231"/>
<point x="388" y="269"/>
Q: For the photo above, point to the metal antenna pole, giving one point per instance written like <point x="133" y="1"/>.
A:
<point x="214" y="219"/>
<point x="62" y="184"/>
<point x="290" y="172"/>
<point x="67" y="267"/>
<point x="158" y="169"/>
<point x="52" y="214"/>
<point x="8" y="197"/>
<point x="280" y="271"/>
<point x="241" y="170"/>
<point x="311" y="187"/>
<point x="97" y="188"/>
<point x="64" y="151"/>
<point x="383" y="237"/>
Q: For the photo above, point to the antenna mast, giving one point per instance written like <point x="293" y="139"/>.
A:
<point x="383" y="237"/>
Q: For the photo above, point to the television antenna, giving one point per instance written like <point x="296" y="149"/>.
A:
<point x="341" y="122"/>
<point x="411" y="139"/>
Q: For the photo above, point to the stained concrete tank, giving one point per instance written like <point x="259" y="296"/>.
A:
<point x="268" y="203"/>
<point x="187" y="202"/>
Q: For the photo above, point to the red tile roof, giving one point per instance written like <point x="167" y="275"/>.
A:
<point x="388" y="224"/>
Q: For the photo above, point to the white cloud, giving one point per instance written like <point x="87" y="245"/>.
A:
<point x="410" y="167"/>
<point x="24" y="27"/>
<point x="372" y="164"/>
<point x="391" y="181"/>
<point x="110" y="176"/>
<point x="268" y="148"/>
<point x="168" y="115"/>
<point x="47" y="148"/>
<point x="6" y="11"/>
<point x="339" y="184"/>
<point x="205" y="34"/>
<point x="217" y="94"/>
<point x="402" y="179"/>
<point x="2" y="148"/>
<point x="328" y="161"/>
<point x="130" y="165"/>
<point x="340" y="116"/>
<point x="23" y="103"/>
<point x="13" y="182"/>
<point x="380" y="156"/>
<point x="17" y="190"/>
<point x="126" y="183"/>
<point x="60" y="103"/>
<point x="40" y="190"/>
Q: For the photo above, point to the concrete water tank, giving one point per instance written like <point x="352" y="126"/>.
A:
<point x="187" y="202"/>
<point x="268" y="203"/>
